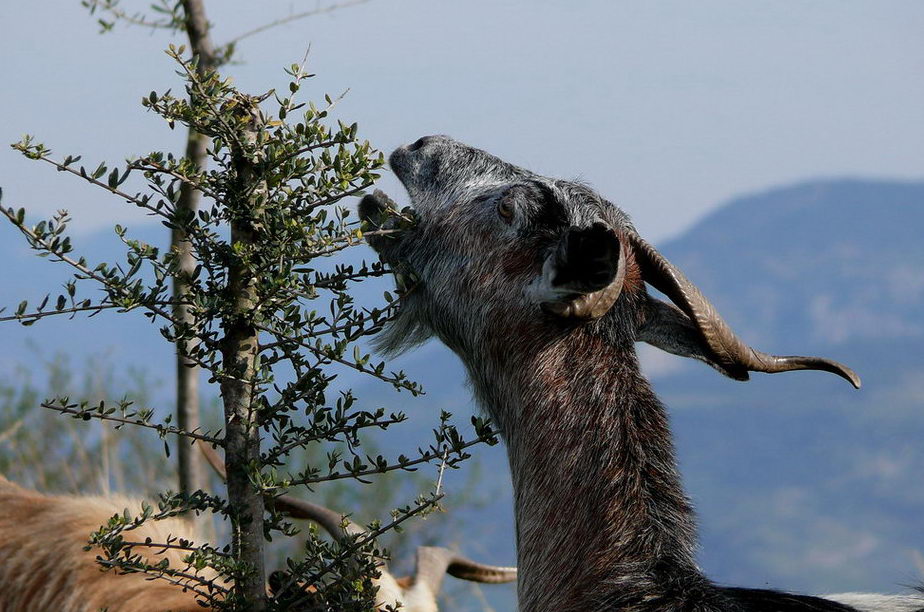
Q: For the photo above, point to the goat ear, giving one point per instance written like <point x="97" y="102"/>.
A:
<point x="583" y="276"/>
<point x="669" y="329"/>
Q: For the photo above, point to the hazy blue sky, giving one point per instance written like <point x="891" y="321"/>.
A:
<point x="668" y="107"/>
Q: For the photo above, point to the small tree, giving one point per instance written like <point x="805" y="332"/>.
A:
<point x="267" y="316"/>
<point x="189" y="18"/>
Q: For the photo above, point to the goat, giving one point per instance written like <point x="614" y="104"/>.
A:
<point x="43" y="564"/>
<point x="538" y="285"/>
<point x="415" y="593"/>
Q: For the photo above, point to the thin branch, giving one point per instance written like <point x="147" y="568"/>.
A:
<point x="306" y="149"/>
<point x="161" y="546"/>
<point x="290" y="105"/>
<point x="294" y="17"/>
<point x="366" y="538"/>
<point x="113" y="190"/>
<point x="149" y="165"/>
<point x="330" y="250"/>
<point x="172" y="576"/>
<point x="333" y="330"/>
<point x="136" y="19"/>
<point x="347" y="240"/>
<point x="439" y="481"/>
<point x="426" y="457"/>
<point x="81" y="267"/>
<point x="160" y="428"/>
<point x="194" y="78"/>
<point x="282" y="451"/>
<point x="34" y="316"/>
<point x="335" y="278"/>
<point x="339" y="196"/>
<point x="394" y="380"/>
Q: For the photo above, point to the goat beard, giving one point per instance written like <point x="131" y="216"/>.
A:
<point x="388" y="222"/>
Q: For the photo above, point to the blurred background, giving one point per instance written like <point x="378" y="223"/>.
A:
<point x="774" y="151"/>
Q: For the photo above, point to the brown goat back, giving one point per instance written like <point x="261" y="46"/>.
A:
<point x="43" y="564"/>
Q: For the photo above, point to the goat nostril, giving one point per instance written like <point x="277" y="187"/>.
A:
<point x="419" y="143"/>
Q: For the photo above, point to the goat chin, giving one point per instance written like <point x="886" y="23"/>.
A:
<point x="875" y="602"/>
<point x="43" y="565"/>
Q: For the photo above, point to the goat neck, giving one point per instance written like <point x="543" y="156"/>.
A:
<point x="598" y="499"/>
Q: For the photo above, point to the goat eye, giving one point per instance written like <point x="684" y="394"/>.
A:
<point x="506" y="209"/>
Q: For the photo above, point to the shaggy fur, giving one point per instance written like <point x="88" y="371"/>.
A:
<point x="602" y="520"/>
<point x="43" y="565"/>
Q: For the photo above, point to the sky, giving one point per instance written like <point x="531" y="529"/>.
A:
<point x="668" y="108"/>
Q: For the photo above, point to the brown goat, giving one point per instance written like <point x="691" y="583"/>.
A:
<point x="43" y="564"/>
<point x="417" y="593"/>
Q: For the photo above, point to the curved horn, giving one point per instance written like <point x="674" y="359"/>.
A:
<point x="434" y="562"/>
<point x="731" y="353"/>
<point x="466" y="569"/>
<point x="331" y="521"/>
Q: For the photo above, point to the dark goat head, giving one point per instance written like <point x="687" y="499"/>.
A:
<point x="497" y="247"/>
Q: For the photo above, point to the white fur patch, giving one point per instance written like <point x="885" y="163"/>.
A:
<point x="876" y="602"/>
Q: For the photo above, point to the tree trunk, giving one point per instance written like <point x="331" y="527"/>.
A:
<point x="242" y="434"/>
<point x="191" y="469"/>
<point x="242" y="448"/>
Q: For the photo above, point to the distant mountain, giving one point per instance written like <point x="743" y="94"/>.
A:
<point x="801" y="482"/>
<point x="827" y="261"/>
